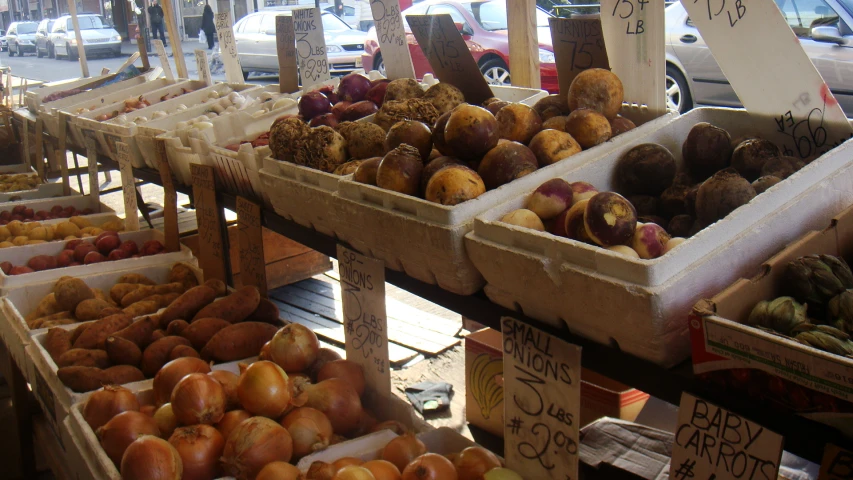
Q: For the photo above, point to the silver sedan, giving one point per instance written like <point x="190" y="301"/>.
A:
<point x="823" y="27"/>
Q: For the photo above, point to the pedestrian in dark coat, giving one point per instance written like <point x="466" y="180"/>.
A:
<point x="207" y="25"/>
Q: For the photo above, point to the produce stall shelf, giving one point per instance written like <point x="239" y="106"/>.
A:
<point x="803" y="437"/>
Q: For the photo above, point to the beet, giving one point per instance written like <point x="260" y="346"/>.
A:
<point x="750" y="156"/>
<point x="646" y="169"/>
<point x="721" y="194"/>
<point x="706" y="150"/>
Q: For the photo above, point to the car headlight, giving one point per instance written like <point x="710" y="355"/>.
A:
<point x="115" y="38"/>
<point x="333" y="49"/>
<point x="546" y="57"/>
<point x="73" y="41"/>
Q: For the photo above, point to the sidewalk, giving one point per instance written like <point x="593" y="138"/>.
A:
<point x="187" y="47"/>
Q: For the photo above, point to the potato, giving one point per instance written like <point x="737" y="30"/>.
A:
<point x="47" y="306"/>
<point x="518" y="122"/>
<point x="57" y="341"/>
<point x="139" y="332"/>
<point x="90" y="309"/>
<point x="122" y="351"/>
<point x="70" y="292"/>
<point x="122" y="374"/>
<point x="81" y="222"/>
<point x="551" y="146"/>
<point x="157" y="354"/>
<point x="201" y="330"/>
<point x="233" y="308"/>
<point x="17" y="228"/>
<point x="136" y="278"/>
<point x="66" y="229"/>
<point x="588" y="127"/>
<point x="218" y="286"/>
<point x="597" y="89"/>
<point x="267" y="312"/>
<point x="142" y="307"/>
<point x="39" y="233"/>
<point x="183" y="351"/>
<point x="119" y="290"/>
<point x="82" y="357"/>
<point x="166" y="299"/>
<point x="366" y="171"/>
<point x="241" y="340"/>
<point x="86" y="379"/>
<point x="182" y="273"/>
<point x="97" y="333"/>
<point x="400" y="170"/>
<point x="176" y="327"/>
<point x="188" y="304"/>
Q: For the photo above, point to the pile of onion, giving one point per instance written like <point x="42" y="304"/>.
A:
<point x="151" y="458"/>
<point x="337" y="400"/>
<point x="324" y="356"/>
<point x="253" y="444"/>
<point x="430" y="466"/>
<point x="199" y="447"/>
<point x="108" y="402"/>
<point x="229" y="382"/>
<point x="198" y="398"/>
<point x="473" y="462"/>
<point x="122" y="430"/>
<point x="402" y="450"/>
<point x="383" y="470"/>
<point x="230" y="421"/>
<point x="310" y="430"/>
<point x="172" y="373"/>
<point x="346" y="370"/>
<point x="294" y="348"/>
<point x="166" y="421"/>
<point x="279" y="471"/>
<point x="354" y="472"/>
<point x="264" y="389"/>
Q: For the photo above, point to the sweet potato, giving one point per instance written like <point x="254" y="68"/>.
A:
<point x="70" y="292"/>
<point x="235" y="307"/>
<point x="138" y="332"/>
<point x="146" y="291"/>
<point x="38" y="322"/>
<point x="142" y="307"/>
<point x="86" y="379"/>
<point x="157" y="354"/>
<point x="47" y="306"/>
<point x="238" y="341"/>
<point x="101" y="295"/>
<point x="157" y="335"/>
<point x="97" y="333"/>
<point x="119" y="290"/>
<point x="81" y="357"/>
<point x="202" y="330"/>
<point x="122" y="351"/>
<point x="167" y="299"/>
<point x="183" y="351"/>
<point x="183" y="274"/>
<point x="218" y="286"/>
<point x="122" y="374"/>
<point x="56" y="323"/>
<point x="57" y="341"/>
<point x="90" y="309"/>
<point x="135" y="278"/>
<point x="75" y="334"/>
<point x="188" y="304"/>
<point x="176" y="327"/>
<point x="266" y="312"/>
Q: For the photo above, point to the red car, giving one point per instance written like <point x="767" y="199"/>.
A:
<point x="484" y="28"/>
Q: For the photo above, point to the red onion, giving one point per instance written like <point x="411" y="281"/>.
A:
<point x="327" y="119"/>
<point x="314" y="103"/>
<point x="376" y="94"/>
<point x="329" y="92"/>
<point x="340" y="108"/>
<point x="359" y="110"/>
<point x="353" y="87"/>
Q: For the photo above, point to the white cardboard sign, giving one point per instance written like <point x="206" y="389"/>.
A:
<point x="128" y="186"/>
<point x="712" y="443"/>
<point x="634" y="34"/>
<point x="310" y="46"/>
<point x="392" y="39"/>
<point x="774" y="78"/>
<point x="365" y="321"/>
<point x="203" y="66"/>
<point x="542" y="385"/>
<point x="164" y="59"/>
<point x="228" y="48"/>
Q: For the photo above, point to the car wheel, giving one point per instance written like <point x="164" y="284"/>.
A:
<point x="51" y="53"/>
<point x="678" y="96"/>
<point x="71" y="54"/>
<point x="496" y="72"/>
<point x="38" y="52"/>
<point x="379" y="64"/>
<point x="11" y="53"/>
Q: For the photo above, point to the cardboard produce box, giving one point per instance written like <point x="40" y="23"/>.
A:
<point x="772" y="369"/>
<point x="484" y="396"/>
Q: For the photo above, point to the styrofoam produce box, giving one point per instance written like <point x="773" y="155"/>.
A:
<point x="55" y="398"/>
<point x="34" y="97"/>
<point x="100" y="209"/>
<point x="642" y="305"/>
<point x="148" y="131"/>
<point x="772" y="369"/>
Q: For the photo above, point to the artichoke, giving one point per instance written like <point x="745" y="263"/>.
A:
<point x="781" y="314"/>
<point x="840" y="311"/>
<point x="824" y="337"/>
<point x="815" y="279"/>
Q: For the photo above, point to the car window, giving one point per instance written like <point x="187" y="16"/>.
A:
<point x="803" y="15"/>
<point x="27" y="28"/>
<point x="253" y="24"/>
<point x="332" y="23"/>
<point x="267" y="23"/>
<point x="452" y="11"/>
<point x="91" y="22"/>
<point x="69" y="25"/>
<point x="492" y="15"/>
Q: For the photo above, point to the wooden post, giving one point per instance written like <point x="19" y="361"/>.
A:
<point x="523" y="43"/>
<point x="212" y="255"/>
<point x="170" y="200"/>
<point x="128" y="186"/>
<point x="81" y="50"/>
<point x="62" y="151"/>
<point x="253" y="268"/>
<point x="143" y="53"/>
<point x="25" y="141"/>
<point x="92" y="164"/>
<point x="285" y="46"/>
<point x="40" y="147"/>
<point x="174" y="37"/>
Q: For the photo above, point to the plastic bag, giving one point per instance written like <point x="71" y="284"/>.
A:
<point x="202" y="38"/>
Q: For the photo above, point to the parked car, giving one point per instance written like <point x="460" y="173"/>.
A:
<point x="350" y="15"/>
<point x="98" y="37"/>
<point x="2" y="40"/>
<point x="21" y="38"/>
<point x="823" y="28"/>
<point x="483" y="24"/>
<point x="255" y="38"/>
<point x="43" y="38"/>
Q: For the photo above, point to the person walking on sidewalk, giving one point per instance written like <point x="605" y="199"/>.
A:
<point x="155" y="14"/>
<point x="207" y="24"/>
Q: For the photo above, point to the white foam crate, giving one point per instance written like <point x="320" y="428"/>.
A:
<point x="642" y="305"/>
<point x="425" y="239"/>
<point x="43" y="190"/>
<point x="101" y="211"/>
<point x="55" y="398"/>
<point x="34" y="97"/>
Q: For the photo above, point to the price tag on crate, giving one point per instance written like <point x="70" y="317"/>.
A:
<point x="392" y="39"/>
<point x="837" y="463"/>
<point x="253" y="269"/>
<point x="170" y="199"/>
<point x="772" y="75"/>
<point x="203" y="66"/>
<point x="211" y="244"/>
<point x="542" y="401"/>
<point x="712" y="443"/>
<point x="365" y="321"/>
<point x="285" y="46"/>
<point x="448" y="55"/>
<point x="228" y="48"/>
<point x="164" y="59"/>
<point x="578" y="45"/>
<point x="92" y="164"/>
<point x="310" y="46"/>
<point x="635" y="35"/>
<point x="128" y="187"/>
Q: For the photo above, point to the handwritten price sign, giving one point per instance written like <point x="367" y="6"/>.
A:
<point x="714" y="443"/>
<point x="780" y="87"/>
<point x="228" y="47"/>
<point x="392" y="39"/>
<point x="128" y="186"/>
<point x="365" y="323"/>
<point x="285" y="45"/>
<point x="164" y="59"/>
<point x="542" y="379"/>
<point x="252" y="264"/>
<point x="578" y="45"/>
<point x="203" y="66"/>
<point x="211" y="243"/>
<point x="310" y="46"/>
<point x="837" y="464"/>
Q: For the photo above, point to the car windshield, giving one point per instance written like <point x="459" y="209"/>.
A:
<point x="331" y="23"/>
<point x="491" y="15"/>
<point x="26" y="28"/>
<point x="91" y="23"/>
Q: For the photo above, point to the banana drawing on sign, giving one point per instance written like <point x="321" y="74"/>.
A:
<point x="487" y="383"/>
